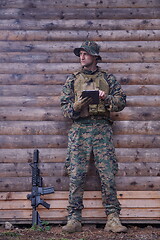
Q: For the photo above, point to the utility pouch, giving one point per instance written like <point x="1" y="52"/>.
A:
<point x="93" y="109"/>
<point x="101" y="108"/>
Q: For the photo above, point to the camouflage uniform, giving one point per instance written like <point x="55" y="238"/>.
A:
<point x="87" y="134"/>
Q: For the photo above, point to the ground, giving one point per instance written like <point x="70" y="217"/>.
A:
<point x="90" y="232"/>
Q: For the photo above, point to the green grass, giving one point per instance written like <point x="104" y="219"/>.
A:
<point x="45" y="227"/>
<point x="10" y="234"/>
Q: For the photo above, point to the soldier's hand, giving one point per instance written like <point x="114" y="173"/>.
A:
<point x="81" y="103"/>
<point x="102" y="94"/>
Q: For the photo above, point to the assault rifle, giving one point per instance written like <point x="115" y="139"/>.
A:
<point x="37" y="191"/>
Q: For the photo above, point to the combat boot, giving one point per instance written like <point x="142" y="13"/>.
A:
<point x="72" y="226"/>
<point x="113" y="224"/>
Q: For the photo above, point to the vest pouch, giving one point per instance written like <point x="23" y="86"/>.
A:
<point x="101" y="108"/>
<point x="93" y="109"/>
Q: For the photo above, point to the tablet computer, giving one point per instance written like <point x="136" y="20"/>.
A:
<point x="94" y="94"/>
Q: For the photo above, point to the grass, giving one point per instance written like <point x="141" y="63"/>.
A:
<point x="9" y="234"/>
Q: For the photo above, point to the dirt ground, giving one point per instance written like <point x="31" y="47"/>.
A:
<point x="90" y="232"/>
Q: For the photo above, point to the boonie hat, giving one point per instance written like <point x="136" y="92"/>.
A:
<point x="90" y="47"/>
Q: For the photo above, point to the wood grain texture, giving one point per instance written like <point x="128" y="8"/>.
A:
<point x="135" y="204"/>
<point x="69" y="57"/>
<point x="57" y="155"/>
<point x="74" y="3"/>
<point x="54" y="101"/>
<point x="61" y="128"/>
<point x="83" y="24"/>
<point x="128" y="183"/>
<point x="67" y="35"/>
<point x="59" y="79"/>
<point x="67" y="46"/>
<point x="85" y="13"/>
<point x="58" y="169"/>
<point x="37" y="42"/>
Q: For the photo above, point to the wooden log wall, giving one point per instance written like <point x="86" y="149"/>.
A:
<point x="37" y="39"/>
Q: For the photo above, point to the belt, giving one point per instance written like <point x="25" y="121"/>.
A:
<point x="92" y="119"/>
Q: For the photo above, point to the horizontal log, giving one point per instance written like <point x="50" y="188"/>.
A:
<point x="137" y="114"/>
<point x="88" y="195"/>
<point x="26" y="204"/>
<point x="50" y="155"/>
<point x="75" y="24"/>
<point x="141" y="90"/>
<point x="31" y="90"/>
<point x="48" y="141"/>
<point x="87" y="214"/>
<point x="139" y="169"/>
<point x="69" y="57"/>
<point x="24" y="113"/>
<point x="32" y="79"/>
<point x="55" y="114"/>
<point x="92" y="183"/>
<point x="137" y="183"/>
<point x="126" y="213"/>
<point x="136" y="127"/>
<point x="61" y="128"/>
<point x="26" y="155"/>
<point x="85" y="13"/>
<point x="34" y="128"/>
<point x="20" y="215"/>
<point x="88" y="204"/>
<point x="42" y="101"/>
<point x="54" y="101"/>
<point x="135" y="79"/>
<point x="67" y="46"/>
<point x="35" y="141"/>
<point x="142" y="101"/>
<point x="79" y="35"/>
<point x="57" y="169"/>
<point x="49" y="79"/>
<point x="55" y="90"/>
<point x="138" y="141"/>
<point x="74" y="3"/>
<point x="48" y="68"/>
<point x="138" y="155"/>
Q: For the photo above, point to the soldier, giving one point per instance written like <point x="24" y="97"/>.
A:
<point x="91" y="132"/>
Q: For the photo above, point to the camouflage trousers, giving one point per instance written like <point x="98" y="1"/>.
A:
<point x="88" y="136"/>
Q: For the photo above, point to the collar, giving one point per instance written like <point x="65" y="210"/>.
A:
<point x="85" y="71"/>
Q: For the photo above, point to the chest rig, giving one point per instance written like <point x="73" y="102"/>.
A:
<point x="91" y="82"/>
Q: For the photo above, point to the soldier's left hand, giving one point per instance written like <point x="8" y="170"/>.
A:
<point x="81" y="103"/>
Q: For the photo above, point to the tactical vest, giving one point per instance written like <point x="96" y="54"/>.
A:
<point x="91" y="82"/>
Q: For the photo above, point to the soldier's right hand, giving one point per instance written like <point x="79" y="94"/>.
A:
<point x="81" y="103"/>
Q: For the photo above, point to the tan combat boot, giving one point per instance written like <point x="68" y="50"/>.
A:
<point x="72" y="226"/>
<point x="113" y="224"/>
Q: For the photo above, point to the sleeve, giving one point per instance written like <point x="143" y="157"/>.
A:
<point x="116" y="100"/>
<point x="67" y="99"/>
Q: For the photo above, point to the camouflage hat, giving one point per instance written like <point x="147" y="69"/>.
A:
<point x="90" y="47"/>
